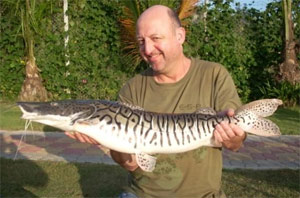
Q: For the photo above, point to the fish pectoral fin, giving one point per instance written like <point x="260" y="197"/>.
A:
<point x="146" y="162"/>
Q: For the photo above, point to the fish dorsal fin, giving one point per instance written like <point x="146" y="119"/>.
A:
<point x="133" y="107"/>
<point x="206" y="111"/>
<point x="261" y="108"/>
<point x="146" y="162"/>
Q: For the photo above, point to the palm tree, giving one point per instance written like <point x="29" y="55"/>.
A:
<point x="133" y="9"/>
<point x="289" y="69"/>
<point x="32" y="88"/>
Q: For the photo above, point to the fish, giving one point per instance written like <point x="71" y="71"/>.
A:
<point x="130" y="129"/>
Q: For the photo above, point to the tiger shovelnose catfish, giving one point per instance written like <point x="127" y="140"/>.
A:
<point x="129" y="129"/>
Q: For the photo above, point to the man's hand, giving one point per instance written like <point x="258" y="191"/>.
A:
<point x="86" y="139"/>
<point x="230" y="135"/>
<point x="82" y="138"/>
<point x="125" y="160"/>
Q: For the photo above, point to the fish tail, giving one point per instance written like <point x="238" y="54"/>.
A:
<point x="252" y="116"/>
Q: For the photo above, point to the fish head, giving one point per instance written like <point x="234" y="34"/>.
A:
<point x="60" y="114"/>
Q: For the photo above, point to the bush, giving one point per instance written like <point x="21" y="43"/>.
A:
<point x="285" y="91"/>
<point x="94" y="50"/>
<point x="246" y="41"/>
<point x="224" y="42"/>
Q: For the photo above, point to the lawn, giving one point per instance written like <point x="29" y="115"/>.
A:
<point x="288" y="120"/>
<point x="24" y="178"/>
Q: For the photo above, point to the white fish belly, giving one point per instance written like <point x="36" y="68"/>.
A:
<point x="107" y="136"/>
<point x="117" y="139"/>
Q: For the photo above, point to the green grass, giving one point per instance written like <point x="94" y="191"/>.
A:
<point x="24" y="178"/>
<point x="288" y="119"/>
<point x="258" y="183"/>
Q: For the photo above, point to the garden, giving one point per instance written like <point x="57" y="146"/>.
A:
<point x="95" y="54"/>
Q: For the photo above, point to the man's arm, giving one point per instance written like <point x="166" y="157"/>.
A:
<point x="230" y="135"/>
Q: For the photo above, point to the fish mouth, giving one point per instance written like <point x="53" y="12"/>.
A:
<point x="27" y="112"/>
<point x="32" y="110"/>
<point x="26" y="107"/>
<point x="46" y="110"/>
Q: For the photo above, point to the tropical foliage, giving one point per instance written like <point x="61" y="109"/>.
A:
<point x="27" y="11"/>
<point x="248" y="42"/>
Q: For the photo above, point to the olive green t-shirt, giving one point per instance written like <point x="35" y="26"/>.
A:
<point x="196" y="173"/>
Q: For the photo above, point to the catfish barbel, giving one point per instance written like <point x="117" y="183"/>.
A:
<point x="129" y="129"/>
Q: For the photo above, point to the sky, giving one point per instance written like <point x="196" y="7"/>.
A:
<point x="257" y="4"/>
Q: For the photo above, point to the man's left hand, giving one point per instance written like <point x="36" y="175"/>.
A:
<point x="230" y="135"/>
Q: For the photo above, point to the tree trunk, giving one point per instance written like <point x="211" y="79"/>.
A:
<point x="289" y="69"/>
<point x="32" y="88"/>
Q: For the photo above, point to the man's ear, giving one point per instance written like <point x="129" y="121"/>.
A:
<point x="180" y="35"/>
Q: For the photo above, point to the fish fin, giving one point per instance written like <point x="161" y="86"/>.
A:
<point x="206" y="111"/>
<point x="257" y="125"/>
<point x="261" y="108"/>
<point x="252" y="115"/>
<point x="146" y="162"/>
<point x="264" y="127"/>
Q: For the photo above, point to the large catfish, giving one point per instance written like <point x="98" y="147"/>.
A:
<point x="129" y="129"/>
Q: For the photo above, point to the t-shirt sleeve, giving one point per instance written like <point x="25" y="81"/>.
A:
<point x="226" y="95"/>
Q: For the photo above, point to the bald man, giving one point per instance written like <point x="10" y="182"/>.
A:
<point x="174" y="83"/>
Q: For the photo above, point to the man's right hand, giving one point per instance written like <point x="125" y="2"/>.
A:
<point x="82" y="138"/>
<point x="125" y="160"/>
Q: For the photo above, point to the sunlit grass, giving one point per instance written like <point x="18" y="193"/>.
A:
<point x="288" y="120"/>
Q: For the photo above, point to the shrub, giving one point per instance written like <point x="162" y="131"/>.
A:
<point x="285" y="91"/>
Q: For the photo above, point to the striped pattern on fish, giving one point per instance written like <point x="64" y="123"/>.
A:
<point x="130" y="129"/>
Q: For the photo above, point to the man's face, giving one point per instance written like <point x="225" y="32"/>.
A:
<point x="158" y="42"/>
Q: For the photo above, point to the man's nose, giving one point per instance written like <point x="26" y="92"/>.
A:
<point x="148" y="47"/>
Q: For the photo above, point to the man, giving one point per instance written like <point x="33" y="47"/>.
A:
<point x="175" y="83"/>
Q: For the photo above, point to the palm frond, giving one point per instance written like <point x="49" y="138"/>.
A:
<point x="186" y="9"/>
<point x="128" y="24"/>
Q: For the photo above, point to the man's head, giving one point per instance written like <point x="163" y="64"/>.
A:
<point x="160" y="37"/>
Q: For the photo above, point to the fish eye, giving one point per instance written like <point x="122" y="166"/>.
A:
<point x="54" y="104"/>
